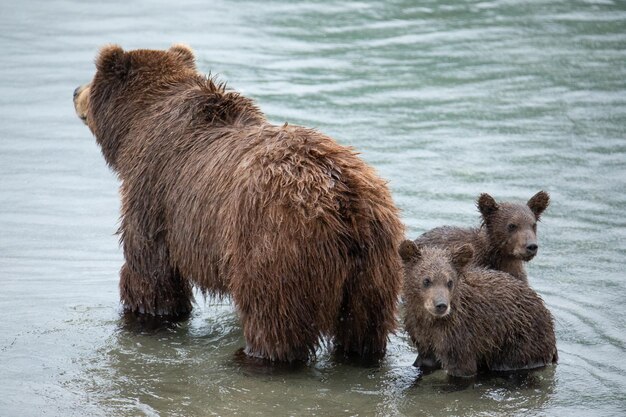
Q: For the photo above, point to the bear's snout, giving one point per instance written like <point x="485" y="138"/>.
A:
<point x="438" y="306"/>
<point x="81" y="101"/>
<point x="441" y="308"/>
<point x="531" y="249"/>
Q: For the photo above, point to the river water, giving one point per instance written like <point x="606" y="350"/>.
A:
<point x="446" y="99"/>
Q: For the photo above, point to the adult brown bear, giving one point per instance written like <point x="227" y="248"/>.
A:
<point x="295" y="227"/>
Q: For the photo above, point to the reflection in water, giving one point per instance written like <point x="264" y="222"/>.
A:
<point x="498" y="394"/>
<point x="514" y="380"/>
<point x="180" y="369"/>
<point x="251" y="366"/>
<point x="141" y="324"/>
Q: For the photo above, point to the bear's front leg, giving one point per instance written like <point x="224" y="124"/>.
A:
<point x="157" y="294"/>
<point x="148" y="283"/>
<point x="464" y="368"/>
<point x="426" y="361"/>
<point x="457" y="360"/>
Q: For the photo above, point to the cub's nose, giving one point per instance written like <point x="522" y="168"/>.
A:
<point x="77" y="91"/>
<point x="441" y="308"/>
<point x="532" y="248"/>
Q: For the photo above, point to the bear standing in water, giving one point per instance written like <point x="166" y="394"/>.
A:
<point x="465" y="319"/>
<point x="506" y="239"/>
<point x="295" y="227"/>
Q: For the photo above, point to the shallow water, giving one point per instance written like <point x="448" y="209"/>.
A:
<point x="446" y="100"/>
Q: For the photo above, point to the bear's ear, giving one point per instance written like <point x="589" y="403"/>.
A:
<point x="487" y="205"/>
<point x="538" y="203"/>
<point x="113" y="61"/>
<point x="184" y="53"/>
<point x="409" y="251"/>
<point x="462" y="255"/>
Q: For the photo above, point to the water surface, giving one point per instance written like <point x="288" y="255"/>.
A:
<point x="445" y="99"/>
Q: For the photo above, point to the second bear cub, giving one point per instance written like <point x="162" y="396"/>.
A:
<point x="506" y="239"/>
<point x="464" y="319"/>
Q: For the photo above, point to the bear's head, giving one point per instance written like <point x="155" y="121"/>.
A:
<point x="511" y="227"/>
<point x="431" y="276"/>
<point x="124" y="84"/>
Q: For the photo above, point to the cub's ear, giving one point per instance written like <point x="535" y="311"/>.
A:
<point x="462" y="255"/>
<point x="409" y="251"/>
<point x="113" y="61"/>
<point x="487" y="205"/>
<point x="184" y="53"/>
<point x="538" y="203"/>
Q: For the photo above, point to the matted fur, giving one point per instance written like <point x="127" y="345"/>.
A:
<point x="493" y="322"/>
<point x="502" y="240"/>
<point x="295" y="227"/>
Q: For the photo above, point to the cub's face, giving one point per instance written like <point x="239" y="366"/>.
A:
<point x="432" y="276"/>
<point x="118" y="72"/>
<point x="513" y="227"/>
<point x="516" y="228"/>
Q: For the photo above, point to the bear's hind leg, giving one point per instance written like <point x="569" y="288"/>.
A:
<point x="282" y="314"/>
<point x="278" y="325"/>
<point x="367" y="313"/>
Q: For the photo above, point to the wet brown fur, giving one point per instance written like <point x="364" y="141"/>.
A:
<point x="295" y="227"/>
<point x="495" y="245"/>
<point x="493" y="322"/>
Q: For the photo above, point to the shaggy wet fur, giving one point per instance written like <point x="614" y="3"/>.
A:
<point x="465" y="319"/>
<point x="506" y="239"/>
<point x="295" y="227"/>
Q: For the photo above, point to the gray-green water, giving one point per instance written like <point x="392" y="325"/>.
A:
<point x="446" y="99"/>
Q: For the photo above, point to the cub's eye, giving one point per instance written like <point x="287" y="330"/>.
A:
<point x="450" y="284"/>
<point x="512" y="227"/>
<point x="427" y="282"/>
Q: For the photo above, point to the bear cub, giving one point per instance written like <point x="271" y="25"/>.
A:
<point x="466" y="319"/>
<point x="506" y="238"/>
